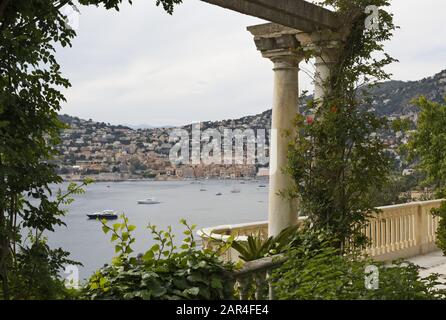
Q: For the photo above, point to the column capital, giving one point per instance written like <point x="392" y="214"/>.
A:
<point x="284" y="59"/>
<point x="324" y="45"/>
<point x="279" y="44"/>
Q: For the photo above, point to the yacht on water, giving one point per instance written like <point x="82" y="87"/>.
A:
<point x="105" y="214"/>
<point x="235" y="190"/>
<point x="148" y="201"/>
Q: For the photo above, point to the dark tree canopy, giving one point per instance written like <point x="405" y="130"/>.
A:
<point x="30" y="98"/>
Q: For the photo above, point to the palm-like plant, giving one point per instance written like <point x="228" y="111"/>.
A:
<point x="257" y="247"/>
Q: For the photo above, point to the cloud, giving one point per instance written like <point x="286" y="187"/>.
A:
<point x="143" y="66"/>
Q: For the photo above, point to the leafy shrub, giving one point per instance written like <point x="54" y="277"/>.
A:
<point x="163" y="272"/>
<point x="426" y="148"/>
<point x="37" y="272"/>
<point x="337" y="159"/>
<point x="326" y="274"/>
<point x="441" y="230"/>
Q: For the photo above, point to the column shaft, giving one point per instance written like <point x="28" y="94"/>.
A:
<point x="324" y="65"/>
<point x="282" y="212"/>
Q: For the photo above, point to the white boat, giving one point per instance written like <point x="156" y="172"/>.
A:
<point x="148" y="201"/>
<point x="235" y="191"/>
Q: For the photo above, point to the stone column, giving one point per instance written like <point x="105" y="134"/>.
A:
<point x="282" y="212"/>
<point x="324" y="64"/>
<point x="326" y="46"/>
<point x="279" y="44"/>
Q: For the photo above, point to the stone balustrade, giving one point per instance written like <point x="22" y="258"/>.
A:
<point x="397" y="231"/>
<point x="214" y="236"/>
<point x="402" y="231"/>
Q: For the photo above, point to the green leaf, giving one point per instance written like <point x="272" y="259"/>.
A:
<point x="194" y="291"/>
<point x="216" y="283"/>
<point x="148" y="256"/>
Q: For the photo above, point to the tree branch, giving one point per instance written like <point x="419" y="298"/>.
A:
<point x="3" y="5"/>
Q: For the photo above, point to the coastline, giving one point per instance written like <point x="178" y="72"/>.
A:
<point x="80" y="179"/>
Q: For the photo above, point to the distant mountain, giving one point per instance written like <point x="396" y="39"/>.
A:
<point x="65" y="118"/>
<point x="390" y="98"/>
<point x="90" y="147"/>
<point x="140" y="126"/>
<point x="393" y="98"/>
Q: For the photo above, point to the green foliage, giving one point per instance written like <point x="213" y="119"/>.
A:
<point x="30" y="97"/>
<point x="401" y="125"/>
<point x="36" y="272"/>
<point x="168" y="5"/>
<point x="34" y="268"/>
<point x="338" y="159"/>
<point x="257" y="247"/>
<point x="325" y="274"/>
<point x="396" y="190"/>
<point x="441" y="231"/>
<point x="427" y="146"/>
<point x="164" y="272"/>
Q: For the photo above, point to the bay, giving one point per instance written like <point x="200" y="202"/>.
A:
<point x="87" y="243"/>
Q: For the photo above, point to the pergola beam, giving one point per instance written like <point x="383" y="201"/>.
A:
<point x="297" y="14"/>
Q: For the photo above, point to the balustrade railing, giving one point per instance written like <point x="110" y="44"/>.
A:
<point x="402" y="231"/>
<point x="252" y="281"/>
<point x="397" y="231"/>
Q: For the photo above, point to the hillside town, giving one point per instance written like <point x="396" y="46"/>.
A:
<point x="112" y="153"/>
<point x="115" y="152"/>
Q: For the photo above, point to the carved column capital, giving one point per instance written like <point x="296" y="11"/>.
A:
<point x="279" y="44"/>
<point x="325" y="45"/>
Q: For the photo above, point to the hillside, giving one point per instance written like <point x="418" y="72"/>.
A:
<point x="119" y="152"/>
<point x="393" y="98"/>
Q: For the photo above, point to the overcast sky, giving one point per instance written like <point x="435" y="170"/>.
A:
<point x="142" y="66"/>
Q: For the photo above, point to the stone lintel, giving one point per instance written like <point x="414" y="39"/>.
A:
<point x="296" y="14"/>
